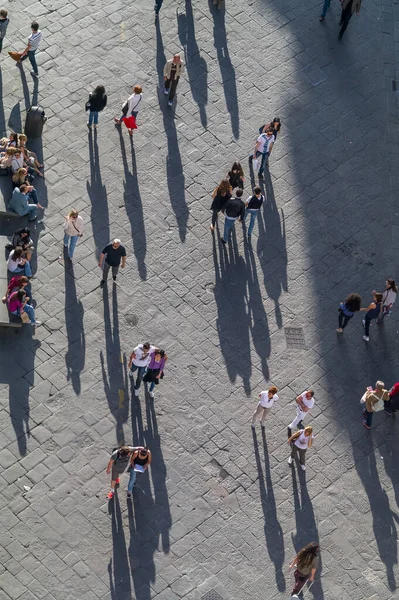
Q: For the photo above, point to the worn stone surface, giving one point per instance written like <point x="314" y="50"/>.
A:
<point x="220" y="509"/>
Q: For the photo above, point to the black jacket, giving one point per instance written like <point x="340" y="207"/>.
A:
<point x="97" y="103"/>
<point x="235" y="208"/>
<point x="219" y="202"/>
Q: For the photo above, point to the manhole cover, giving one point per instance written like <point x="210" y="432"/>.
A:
<point x="211" y="595"/>
<point x="132" y="320"/>
<point x="313" y="74"/>
<point x="295" y="338"/>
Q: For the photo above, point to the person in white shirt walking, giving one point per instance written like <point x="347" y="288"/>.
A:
<point x="300" y="442"/>
<point x="267" y="399"/>
<point x="139" y="361"/>
<point x="130" y="110"/>
<point x="73" y="229"/>
<point x="305" y="402"/>
<point x="33" y="44"/>
<point x="263" y="148"/>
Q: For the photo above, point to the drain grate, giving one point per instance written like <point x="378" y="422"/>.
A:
<point x="211" y="595"/>
<point x="295" y="338"/>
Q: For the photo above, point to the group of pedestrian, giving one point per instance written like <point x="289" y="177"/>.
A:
<point x="376" y="399"/>
<point x="133" y="459"/>
<point x="348" y="8"/>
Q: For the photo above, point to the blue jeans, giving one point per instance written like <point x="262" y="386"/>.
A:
<point x="151" y="388"/>
<point x="32" y="60"/>
<point x="93" y="117"/>
<point x="132" y="480"/>
<point x="325" y="7"/>
<point x="228" y="225"/>
<point x="368" y="418"/>
<point x="29" y="311"/>
<point x="264" y="160"/>
<point x="26" y="269"/>
<point x="72" y="244"/>
<point x="254" y="213"/>
<point x="140" y="374"/>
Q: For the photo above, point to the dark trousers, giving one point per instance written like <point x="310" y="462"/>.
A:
<point x="300" y="581"/>
<point x="1" y="44"/>
<point x="345" y="18"/>
<point x="107" y="267"/>
<point x="302" y="453"/>
<point x="214" y="217"/>
<point x="368" y="417"/>
<point x="367" y="322"/>
<point x="32" y="60"/>
<point x="171" y="84"/>
<point x="157" y="6"/>
<point x="343" y="320"/>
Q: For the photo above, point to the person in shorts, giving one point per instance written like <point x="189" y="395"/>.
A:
<point x="267" y="399"/>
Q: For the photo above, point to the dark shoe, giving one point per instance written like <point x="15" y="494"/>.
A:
<point x="300" y="425"/>
<point x="321" y="18"/>
<point x="289" y="431"/>
<point x="114" y="277"/>
<point x="102" y="283"/>
<point x="365" y="424"/>
<point x="340" y="36"/>
<point x="249" y="239"/>
<point x="222" y="240"/>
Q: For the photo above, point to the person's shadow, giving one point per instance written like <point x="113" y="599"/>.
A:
<point x="272" y="529"/>
<point x="98" y="197"/>
<point x="115" y="377"/>
<point x="226" y="67"/>
<point x="118" y="567"/>
<point x="197" y="69"/>
<point x="3" y="128"/>
<point x="134" y="207"/>
<point x="74" y="312"/>
<point x="174" y="166"/>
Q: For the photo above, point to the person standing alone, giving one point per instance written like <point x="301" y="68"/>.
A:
<point x="33" y="44"/>
<point x="253" y="205"/>
<point x="114" y="254"/>
<point x="348" y="8"/>
<point x="235" y="209"/>
<point x="171" y="74"/>
<point x="4" y="21"/>
<point x="96" y="103"/>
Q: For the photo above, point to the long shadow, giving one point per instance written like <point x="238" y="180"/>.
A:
<point x="272" y="529"/>
<point x="74" y="312"/>
<point x="197" y="69"/>
<point x="134" y="207"/>
<point x="115" y="377"/>
<point x="174" y="166"/>
<point x="233" y="321"/>
<point x="97" y="192"/>
<point x="3" y="127"/>
<point x="306" y="527"/>
<point x="118" y="568"/>
<point x="226" y="67"/>
<point x="272" y="249"/>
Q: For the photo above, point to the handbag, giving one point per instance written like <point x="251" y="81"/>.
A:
<point x="255" y="164"/>
<point x="125" y="106"/>
<point x="15" y="55"/>
<point x="24" y="317"/>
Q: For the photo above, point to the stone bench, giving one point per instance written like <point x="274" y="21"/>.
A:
<point x="6" y="319"/>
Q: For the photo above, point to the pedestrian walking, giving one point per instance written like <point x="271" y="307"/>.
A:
<point x="392" y="404"/>
<point x="139" y="361"/>
<point x="326" y="6"/>
<point x="305" y="563"/>
<point x="372" y="312"/>
<point x="235" y="210"/>
<point x="305" y="402"/>
<point x="348" y="8"/>
<point x="275" y="125"/>
<point x="140" y="460"/>
<point x="374" y="400"/>
<point x="300" y="441"/>
<point x="236" y="176"/>
<point x="263" y="148"/>
<point x="221" y="195"/>
<point x="73" y="229"/>
<point x="33" y="44"/>
<point x="253" y="205"/>
<point x="117" y="464"/>
<point x="113" y="256"/>
<point x="172" y="72"/>
<point x="96" y="103"/>
<point x="130" y="109"/>
<point x="267" y="399"/>
<point x="4" y="21"/>
<point x="388" y="300"/>
<point x="347" y="309"/>
<point x="155" y="370"/>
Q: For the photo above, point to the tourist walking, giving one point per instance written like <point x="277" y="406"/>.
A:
<point x="253" y="205"/>
<point x="139" y="462"/>
<point x="374" y="401"/>
<point x="305" y="563"/>
<point x="4" y="21"/>
<point x="117" y="465"/>
<point x="33" y="44"/>
<point x="235" y="210"/>
<point x="96" y="103"/>
<point x="130" y="109"/>
<point x="267" y="399"/>
<point x="155" y="370"/>
<point x="347" y="309"/>
<point x="172" y="72"/>
<point x="236" y="176"/>
<point x="73" y="229"/>
<point x="300" y="441"/>
<point x="372" y="312"/>
<point x="113" y="256"/>
<point x="388" y="299"/>
<point x="348" y="8"/>
<point x="139" y="361"/>
<point x="221" y="195"/>
<point x="305" y="402"/>
<point x="275" y="125"/>
<point x="326" y="6"/>
<point x="263" y="148"/>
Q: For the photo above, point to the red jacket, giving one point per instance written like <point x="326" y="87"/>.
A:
<point x="394" y="391"/>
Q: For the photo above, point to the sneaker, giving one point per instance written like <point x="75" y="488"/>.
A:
<point x="365" y="424"/>
<point x="363" y="322"/>
<point x="151" y="394"/>
<point x="37" y="323"/>
<point x="166" y="92"/>
<point x="95" y="126"/>
<point x="34" y="74"/>
<point x="114" y="277"/>
<point x="136" y="392"/>
<point x="170" y="103"/>
<point x="128" y="495"/>
<point x="88" y="126"/>
<point x="321" y="18"/>
<point x="303" y="467"/>
<point x="110" y="495"/>
<point x="290" y="461"/>
<point x="222" y="240"/>
<point x="366" y="338"/>
<point x="339" y="330"/>
<point x="102" y="283"/>
<point x="131" y="373"/>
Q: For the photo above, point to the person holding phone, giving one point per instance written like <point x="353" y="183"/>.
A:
<point x="139" y="462"/>
<point x="73" y="229"/>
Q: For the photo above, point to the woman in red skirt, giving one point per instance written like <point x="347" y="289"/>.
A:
<point x="130" y="109"/>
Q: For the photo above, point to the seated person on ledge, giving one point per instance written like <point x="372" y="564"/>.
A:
<point x="21" y="239"/>
<point x="17" y="263"/>
<point x="20" y="201"/>
<point x="16" y="283"/>
<point x="18" y="302"/>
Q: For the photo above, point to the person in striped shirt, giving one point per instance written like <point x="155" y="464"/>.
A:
<point x="33" y="43"/>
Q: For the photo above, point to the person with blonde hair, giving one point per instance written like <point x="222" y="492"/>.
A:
<point x="130" y="110"/>
<point x="300" y="441"/>
<point x="267" y="399"/>
<point x="375" y="400"/>
<point x="73" y="229"/>
<point x="20" y="176"/>
<point x="29" y="155"/>
<point x="6" y="158"/>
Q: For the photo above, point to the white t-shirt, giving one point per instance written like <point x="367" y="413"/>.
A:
<point x="264" y="142"/>
<point x="143" y="357"/>
<point x="265" y="401"/>
<point x="302" y="440"/>
<point x="134" y="103"/>
<point x="34" y="39"/>
<point x="12" y="264"/>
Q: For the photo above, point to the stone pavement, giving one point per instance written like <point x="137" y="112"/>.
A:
<point x="220" y="511"/>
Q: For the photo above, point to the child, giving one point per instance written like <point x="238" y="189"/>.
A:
<point x="267" y="400"/>
<point x="4" y="21"/>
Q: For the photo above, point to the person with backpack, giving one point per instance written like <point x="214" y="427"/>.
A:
<point x="117" y="465"/>
<point x="96" y="103"/>
<point x="140" y="460"/>
<point x="263" y="148"/>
